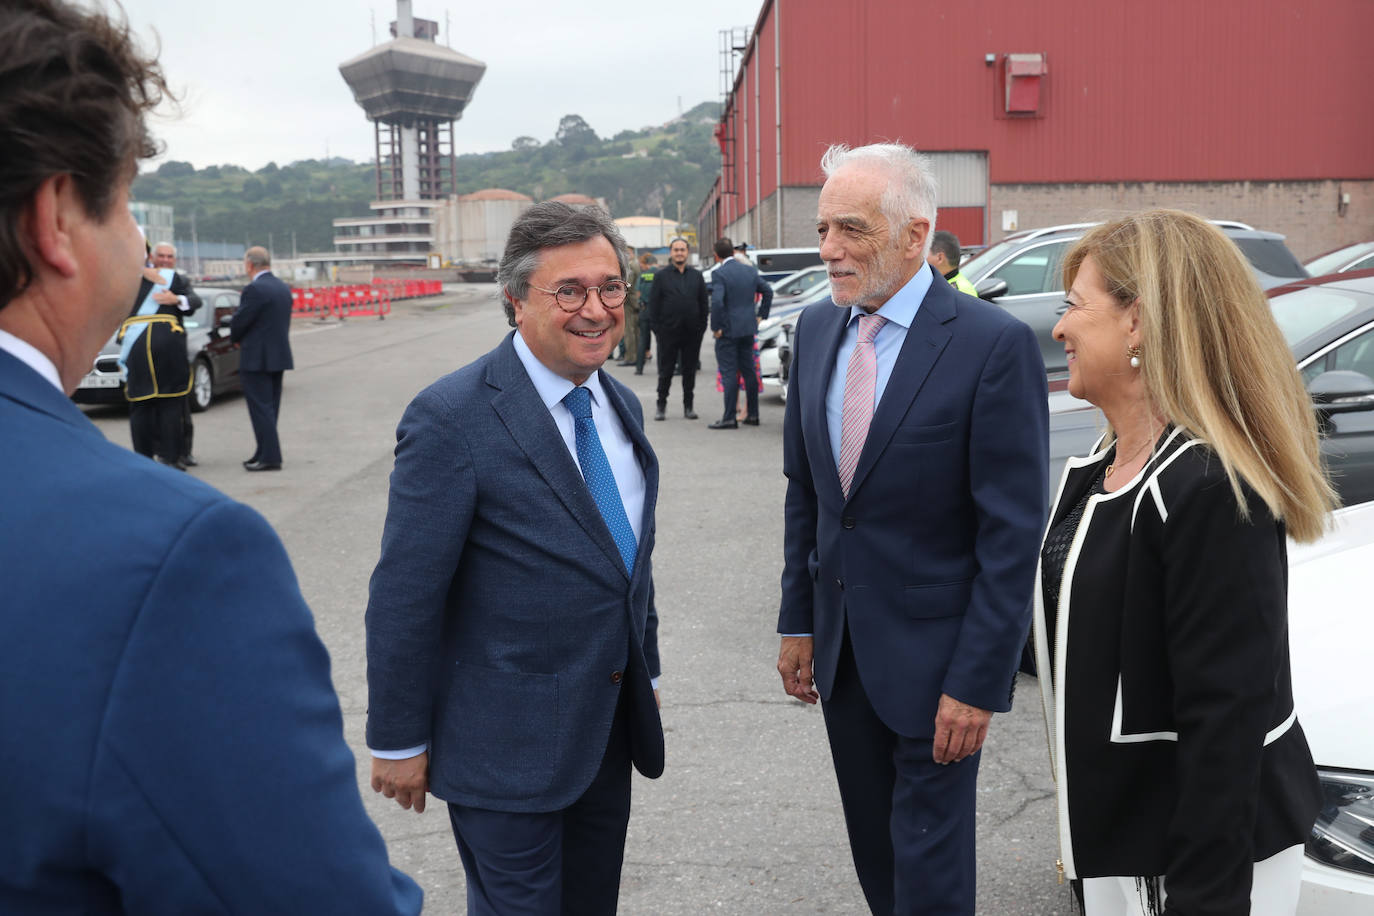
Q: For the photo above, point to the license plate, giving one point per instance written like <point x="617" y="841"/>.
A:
<point x="99" y="381"/>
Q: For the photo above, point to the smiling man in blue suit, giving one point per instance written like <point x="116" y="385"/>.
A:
<point x="512" y="642"/>
<point x="172" y="743"/>
<point x="915" y="448"/>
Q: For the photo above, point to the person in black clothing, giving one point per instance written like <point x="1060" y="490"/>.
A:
<point x="187" y="302"/>
<point x="678" y="308"/>
<point x="154" y="341"/>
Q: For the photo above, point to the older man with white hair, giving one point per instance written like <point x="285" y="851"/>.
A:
<point x="915" y="447"/>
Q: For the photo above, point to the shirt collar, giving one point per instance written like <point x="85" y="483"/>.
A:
<point x="551" y="386"/>
<point x="265" y="270"/>
<point x="32" y="357"/>
<point x="902" y="307"/>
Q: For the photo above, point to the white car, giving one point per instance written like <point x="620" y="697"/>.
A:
<point x="1327" y="620"/>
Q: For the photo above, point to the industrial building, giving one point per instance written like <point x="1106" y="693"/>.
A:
<point x="1036" y="114"/>
<point x="413" y="90"/>
<point x="472" y="228"/>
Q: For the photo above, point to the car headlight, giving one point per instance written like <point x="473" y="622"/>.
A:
<point x="1343" y="836"/>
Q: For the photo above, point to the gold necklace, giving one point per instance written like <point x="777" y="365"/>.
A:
<point x="1112" y="467"/>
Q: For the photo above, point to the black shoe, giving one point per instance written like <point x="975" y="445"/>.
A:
<point x="626" y="362"/>
<point x="189" y="460"/>
<point x="688" y="412"/>
<point x="248" y="461"/>
<point x="726" y="423"/>
<point x="639" y="370"/>
<point x="750" y="421"/>
<point x="260" y="466"/>
<point x="171" y="464"/>
<point x="661" y="412"/>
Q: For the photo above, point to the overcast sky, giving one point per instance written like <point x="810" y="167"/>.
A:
<point x="260" y="79"/>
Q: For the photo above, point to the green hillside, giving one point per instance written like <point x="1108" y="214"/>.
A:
<point x="637" y="172"/>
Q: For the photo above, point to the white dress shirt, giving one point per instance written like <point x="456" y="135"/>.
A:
<point x="30" y="356"/>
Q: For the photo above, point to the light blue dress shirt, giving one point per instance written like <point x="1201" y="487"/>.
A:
<point x="615" y="442"/>
<point x="900" y="311"/>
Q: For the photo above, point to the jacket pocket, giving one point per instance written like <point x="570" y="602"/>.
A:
<point x="920" y="435"/>
<point x="500" y="732"/>
<point x="940" y="599"/>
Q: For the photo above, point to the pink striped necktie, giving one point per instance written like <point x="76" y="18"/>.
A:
<point x="860" y="385"/>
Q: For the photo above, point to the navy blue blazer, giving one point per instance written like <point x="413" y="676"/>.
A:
<point x="733" y="285"/>
<point x="933" y="555"/>
<point x="262" y="326"/>
<point x="172" y="741"/>
<point x="502" y="626"/>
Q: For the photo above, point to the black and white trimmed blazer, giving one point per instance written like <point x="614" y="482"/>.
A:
<point x="1174" y="742"/>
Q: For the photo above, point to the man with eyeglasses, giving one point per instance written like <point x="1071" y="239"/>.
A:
<point x="512" y="642"/>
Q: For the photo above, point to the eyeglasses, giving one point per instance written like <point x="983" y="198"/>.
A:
<point x="571" y="297"/>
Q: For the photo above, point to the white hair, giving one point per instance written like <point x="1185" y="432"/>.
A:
<point x="168" y="245"/>
<point x="911" y="192"/>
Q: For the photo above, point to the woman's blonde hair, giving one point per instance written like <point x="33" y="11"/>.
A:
<point x="1212" y="358"/>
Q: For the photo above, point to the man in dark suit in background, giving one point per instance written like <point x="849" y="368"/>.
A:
<point x="678" y="305"/>
<point x="735" y="287"/>
<point x="262" y="328"/>
<point x="172" y="741"/>
<point x="915" y="447"/>
<point x="512" y="642"/>
<point x="182" y="296"/>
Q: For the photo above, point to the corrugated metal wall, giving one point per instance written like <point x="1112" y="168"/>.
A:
<point x="1170" y="90"/>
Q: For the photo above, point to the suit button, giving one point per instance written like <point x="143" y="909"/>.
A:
<point x="617" y="677"/>
<point x="848" y="522"/>
<point x="839" y="583"/>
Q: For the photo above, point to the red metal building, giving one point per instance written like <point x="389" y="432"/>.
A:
<point x="1058" y="111"/>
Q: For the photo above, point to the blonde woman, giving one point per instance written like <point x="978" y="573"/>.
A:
<point x="1184" y="782"/>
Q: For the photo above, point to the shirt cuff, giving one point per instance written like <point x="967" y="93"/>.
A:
<point x="796" y="635"/>
<point x="403" y="754"/>
<point x="653" y="682"/>
<point x="183" y="304"/>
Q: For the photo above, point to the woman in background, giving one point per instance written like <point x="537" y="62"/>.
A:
<point x="1184" y="782"/>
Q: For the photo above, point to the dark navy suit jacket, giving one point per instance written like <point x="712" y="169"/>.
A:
<point x="262" y="326"/>
<point x="172" y="741"/>
<point x="733" y="288"/>
<point x="932" y="557"/>
<point x="502" y="626"/>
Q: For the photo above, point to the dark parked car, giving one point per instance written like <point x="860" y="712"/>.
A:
<point x="214" y="359"/>
<point x="1022" y="274"/>
<point x="1329" y="325"/>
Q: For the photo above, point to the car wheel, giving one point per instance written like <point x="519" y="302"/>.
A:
<point x="202" y="385"/>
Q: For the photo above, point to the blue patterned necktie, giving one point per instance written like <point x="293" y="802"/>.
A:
<point x="596" y="471"/>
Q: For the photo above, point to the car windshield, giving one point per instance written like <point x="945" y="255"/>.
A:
<point x="1304" y="312"/>
<point x="1334" y="260"/>
<point x="1271" y="256"/>
<point x="974" y="268"/>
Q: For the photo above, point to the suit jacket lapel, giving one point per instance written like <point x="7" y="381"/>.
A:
<point x="527" y="420"/>
<point x="829" y="331"/>
<point x="925" y="341"/>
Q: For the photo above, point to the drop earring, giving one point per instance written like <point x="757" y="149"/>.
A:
<point x="1134" y="354"/>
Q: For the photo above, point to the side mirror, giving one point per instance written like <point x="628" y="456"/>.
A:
<point x="990" y="288"/>
<point x="1342" y="391"/>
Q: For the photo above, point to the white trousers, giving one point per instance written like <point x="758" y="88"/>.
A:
<point x="1273" y="889"/>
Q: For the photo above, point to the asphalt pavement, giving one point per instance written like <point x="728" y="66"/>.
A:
<point x="746" y="818"/>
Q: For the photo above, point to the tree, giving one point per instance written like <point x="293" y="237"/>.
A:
<point x="254" y="190"/>
<point x="575" y="132"/>
<point x="173" y="169"/>
<point x="524" y="143"/>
